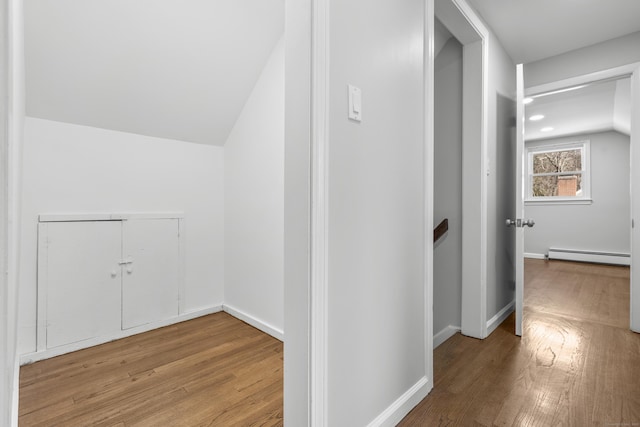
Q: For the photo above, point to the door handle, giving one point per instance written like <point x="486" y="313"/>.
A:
<point x="520" y="222"/>
<point x="128" y="260"/>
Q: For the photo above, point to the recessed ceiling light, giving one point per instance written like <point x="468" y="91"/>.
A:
<point x="536" y="117"/>
<point x="547" y="129"/>
<point x="527" y="101"/>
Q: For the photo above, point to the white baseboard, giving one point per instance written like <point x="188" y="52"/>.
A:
<point x="444" y="335"/>
<point x="255" y="322"/>
<point x="403" y="405"/>
<point x="496" y="320"/>
<point x="57" y="351"/>
<point x="534" y="256"/>
<point x="198" y="313"/>
<point x="598" y="257"/>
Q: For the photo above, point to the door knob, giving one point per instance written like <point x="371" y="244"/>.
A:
<point x="520" y="222"/>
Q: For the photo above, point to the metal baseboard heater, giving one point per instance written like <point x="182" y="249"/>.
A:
<point x="590" y="256"/>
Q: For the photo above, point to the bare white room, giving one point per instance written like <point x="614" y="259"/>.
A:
<point x="153" y="168"/>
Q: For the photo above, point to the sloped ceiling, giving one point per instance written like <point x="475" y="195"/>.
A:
<point x="179" y="69"/>
<point x="596" y="107"/>
<point x="531" y="30"/>
<point x="441" y="36"/>
<point x="622" y="107"/>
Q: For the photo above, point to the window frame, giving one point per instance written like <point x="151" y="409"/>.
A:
<point x="585" y="147"/>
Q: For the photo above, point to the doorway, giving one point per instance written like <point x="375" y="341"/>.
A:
<point x="577" y="146"/>
<point x="460" y="22"/>
<point x="596" y="83"/>
<point x="447" y="204"/>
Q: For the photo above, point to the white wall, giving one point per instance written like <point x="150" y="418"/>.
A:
<point x="502" y="84"/>
<point x="71" y="168"/>
<point x="600" y="226"/>
<point x="447" y="262"/>
<point x="254" y="202"/>
<point x="376" y="257"/>
<point x="602" y="56"/>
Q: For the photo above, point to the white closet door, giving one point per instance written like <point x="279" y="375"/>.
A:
<point x="151" y="276"/>
<point x="83" y="279"/>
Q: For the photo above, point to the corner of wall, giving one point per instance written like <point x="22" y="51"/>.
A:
<point x="253" y="203"/>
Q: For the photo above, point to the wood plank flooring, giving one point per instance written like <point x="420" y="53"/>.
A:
<point x="210" y="371"/>
<point x="577" y="364"/>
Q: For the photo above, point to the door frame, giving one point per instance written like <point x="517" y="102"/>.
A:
<point x="631" y="70"/>
<point x="306" y="207"/>
<point x="319" y="212"/>
<point x="461" y="20"/>
<point x="12" y="113"/>
<point x="5" y="305"/>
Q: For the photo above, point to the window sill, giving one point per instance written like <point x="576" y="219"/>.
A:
<point x="559" y="202"/>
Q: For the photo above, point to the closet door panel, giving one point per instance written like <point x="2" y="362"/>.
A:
<point x="151" y="275"/>
<point x="83" y="280"/>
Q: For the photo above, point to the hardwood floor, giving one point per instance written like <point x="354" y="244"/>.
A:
<point x="210" y="371"/>
<point x="577" y="364"/>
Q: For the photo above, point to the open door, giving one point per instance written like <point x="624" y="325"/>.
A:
<point x="517" y="222"/>
<point x="635" y="198"/>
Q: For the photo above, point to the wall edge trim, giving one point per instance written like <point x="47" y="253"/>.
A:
<point x="532" y="255"/>
<point x="446" y="333"/>
<point x="254" y="321"/>
<point x="403" y="405"/>
<point x="57" y="351"/>
<point x="495" y="321"/>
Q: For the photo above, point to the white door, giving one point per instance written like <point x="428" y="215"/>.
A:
<point x="82" y="275"/>
<point x="635" y="200"/>
<point x="151" y="271"/>
<point x="519" y="201"/>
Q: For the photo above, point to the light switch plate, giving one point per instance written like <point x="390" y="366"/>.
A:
<point x="355" y="103"/>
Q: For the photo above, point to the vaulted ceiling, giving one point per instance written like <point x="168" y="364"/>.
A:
<point x="596" y="107"/>
<point x="179" y="69"/>
<point x="184" y="69"/>
<point x="531" y="30"/>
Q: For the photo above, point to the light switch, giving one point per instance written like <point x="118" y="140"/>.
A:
<point x="355" y="103"/>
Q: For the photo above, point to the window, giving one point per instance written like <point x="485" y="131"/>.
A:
<point x="558" y="173"/>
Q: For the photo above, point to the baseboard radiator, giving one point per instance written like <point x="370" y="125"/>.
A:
<point x="590" y="256"/>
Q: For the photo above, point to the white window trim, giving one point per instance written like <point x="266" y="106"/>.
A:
<point x="585" y="198"/>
